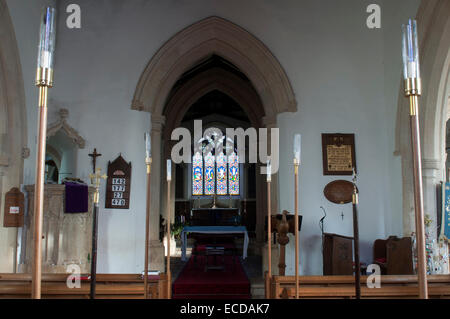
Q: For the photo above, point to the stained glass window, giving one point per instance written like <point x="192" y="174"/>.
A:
<point x="233" y="174"/>
<point x="221" y="173"/>
<point x="215" y="175"/>
<point x="209" y="175"/>
<point x="197" y="174"/>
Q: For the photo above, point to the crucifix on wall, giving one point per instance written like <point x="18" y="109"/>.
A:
<point x="94" y="156"/>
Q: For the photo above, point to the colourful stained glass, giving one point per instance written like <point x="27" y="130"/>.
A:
<point x="197" y="174"/>
<point x="209" y="175"/>
<point x="233" y="174"/>
<point x="221" y="174"/>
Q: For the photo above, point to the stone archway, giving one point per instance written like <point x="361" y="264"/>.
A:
<point x="434" y="33"/>
<point x="188" y="48"/>
<point x="13" y="129"/>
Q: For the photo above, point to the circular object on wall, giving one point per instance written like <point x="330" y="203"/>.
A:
<point x="339" y="192"/>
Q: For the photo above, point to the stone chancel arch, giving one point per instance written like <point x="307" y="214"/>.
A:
<point x="269" y="93"/>
<point x="197" y="42"/>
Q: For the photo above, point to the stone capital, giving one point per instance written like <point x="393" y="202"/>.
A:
<point x="158" y="121"/>
<point x="431" y="164"/>
<point x="270" y="121"/>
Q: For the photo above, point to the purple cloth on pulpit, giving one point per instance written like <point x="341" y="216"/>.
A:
<point x="76" y="198"/>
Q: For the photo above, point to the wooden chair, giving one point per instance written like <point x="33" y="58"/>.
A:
<point x="394" y="255"/>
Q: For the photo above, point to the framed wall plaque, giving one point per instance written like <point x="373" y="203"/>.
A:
<point x="14" y="205"/>
<point x="118" y="184"/>
<point x="338" y="152"/>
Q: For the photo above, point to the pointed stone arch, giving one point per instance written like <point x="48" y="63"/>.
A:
<point x="197" y="42"/>
<point x="186" y="50"/>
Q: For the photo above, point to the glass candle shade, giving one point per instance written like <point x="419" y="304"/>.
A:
<point x="297" y="147"/>
<point x="169" y="170"/>
<point x="269" y="171"/>
<point x="410" y="50"/>
<point x="47" y="38"/>
<point x="148" y="148"/>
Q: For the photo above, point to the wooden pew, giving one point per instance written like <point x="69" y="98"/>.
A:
<point x="398" y="286"/>
<point x="109" y="286"/>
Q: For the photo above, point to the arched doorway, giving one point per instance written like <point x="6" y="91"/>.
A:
<point x="264" y="94"/>
<point x="13" y="134"/>
<point x="434" y="33"/>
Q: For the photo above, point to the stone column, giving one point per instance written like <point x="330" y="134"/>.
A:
<point x="156" y="248"/>
<point x="432" y="176"/>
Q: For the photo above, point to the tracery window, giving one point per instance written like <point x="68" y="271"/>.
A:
<point x="215" y="175"/>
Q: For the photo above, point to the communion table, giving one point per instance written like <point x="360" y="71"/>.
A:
<point x="213" y="230"/>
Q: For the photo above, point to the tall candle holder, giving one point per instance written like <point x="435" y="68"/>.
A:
<point x="297" y="150"/>
<point x="269" y="230"/>
<point x="95" y="181"/>
<point x="169" y="273"/>
<point x="44" y="81"/>
<point x="148" y="163"/>
<point x="412" y="90"/>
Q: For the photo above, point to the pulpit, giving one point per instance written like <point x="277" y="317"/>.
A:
<point x="337" y="255"/>
<point x="66" y="236"/>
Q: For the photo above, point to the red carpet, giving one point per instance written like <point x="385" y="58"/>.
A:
<point x="194" y="283"/>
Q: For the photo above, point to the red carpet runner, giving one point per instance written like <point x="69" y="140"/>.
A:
<point x="194" y="283"/>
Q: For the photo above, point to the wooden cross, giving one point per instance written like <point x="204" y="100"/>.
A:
<point x="94" y="156"/>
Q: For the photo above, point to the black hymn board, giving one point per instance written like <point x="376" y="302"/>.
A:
<point x="118" y="184"/>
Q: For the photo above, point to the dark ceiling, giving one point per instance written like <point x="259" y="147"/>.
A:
<point x="215" y="102"/>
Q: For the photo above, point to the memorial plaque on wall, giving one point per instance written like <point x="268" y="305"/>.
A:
<point x="14" y="205"/>
<point x="338" y="151"/>
<point x="118" y="184"/>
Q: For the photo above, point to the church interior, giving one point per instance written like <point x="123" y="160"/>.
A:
<point x="224" y="149"/>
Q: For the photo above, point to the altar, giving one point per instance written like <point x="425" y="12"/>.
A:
<point x="215" y="217"/>
<point x="213" y="230"/>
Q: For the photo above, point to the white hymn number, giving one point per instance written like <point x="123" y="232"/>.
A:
<point x="118" y="188"/>
<point x="118" y="181"/>
<point x="118" y="202"/>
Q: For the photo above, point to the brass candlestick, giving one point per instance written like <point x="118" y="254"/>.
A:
<point x="296" y="165"/>
<point x="413" y="91"/>
<point x="269" y="232"/>
<point x="413" y="88"/>
<point x="169" y="274"/>
<point x="44" y="80"/>
<point x="148" y="163"/>
<point x="356" y="238"/>
<point x="95" y="181"/>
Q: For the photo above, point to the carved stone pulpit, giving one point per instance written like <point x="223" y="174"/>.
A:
<point x="67" y="237"/>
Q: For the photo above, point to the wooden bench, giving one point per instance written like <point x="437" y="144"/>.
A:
<point x="109" y="286"/>
<point x="398" y="286"/>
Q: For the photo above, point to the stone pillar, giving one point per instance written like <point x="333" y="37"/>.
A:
<point x="156" y="248"/>
<point x="432" y="176"/>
